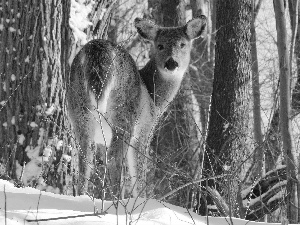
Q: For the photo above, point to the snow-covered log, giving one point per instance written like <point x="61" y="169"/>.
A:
<point x="266" y="194"/>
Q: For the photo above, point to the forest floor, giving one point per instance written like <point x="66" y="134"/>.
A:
<point x="31" y="206"/>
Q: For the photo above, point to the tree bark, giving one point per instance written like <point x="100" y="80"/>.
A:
<point x="33" y="63"/>
<point x="228" y="123"/>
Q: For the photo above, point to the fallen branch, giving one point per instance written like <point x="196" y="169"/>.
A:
<point x="67" y="217"/>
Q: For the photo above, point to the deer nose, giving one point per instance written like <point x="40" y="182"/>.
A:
<point x="171" y="64"/>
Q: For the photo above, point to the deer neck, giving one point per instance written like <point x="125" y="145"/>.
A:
<point x="161" y="88"/>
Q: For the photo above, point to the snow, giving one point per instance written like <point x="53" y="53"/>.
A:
<point x="21" y="139"/>
<point x="212" y="207"/>
<point x="11" y="29"/>
<point x="13" y="120"/>
<point x="13" y="77"/>
<point x="66" y="157"/>
<point x="38" y="107"/>
<point x="278" y="196"/>
<point x="225" y="127"/>
<point x="29" y="172"/>
<point x="30" y="204"/>
<point x="79" y="19"/>
<point x="249" y="189"/>
<point x="27" y="59"/>
<point x="226" y="167"/>
<point x="50" y="110"/>
<point x="59" y="144"/>
<point x="4" y="86"/>
<point x="47" y="154"/>
<point x="33" y="124"/>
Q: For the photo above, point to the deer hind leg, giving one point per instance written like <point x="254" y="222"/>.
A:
<point x="128" y="154"/>
<point x="82" y="124"/>
<point x="88" y="123"/>
<point x="116" y="162"/>
<point x="85" y="166"/>
<point x="122" y="145"/>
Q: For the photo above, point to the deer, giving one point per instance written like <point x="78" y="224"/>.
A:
<point x="111" y="101"/>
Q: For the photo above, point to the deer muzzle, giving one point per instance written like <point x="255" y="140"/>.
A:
<point x="171" y="64"/>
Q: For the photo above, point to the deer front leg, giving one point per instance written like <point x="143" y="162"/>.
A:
<point x="139" y="161"/>
<point x="138" y="155"/>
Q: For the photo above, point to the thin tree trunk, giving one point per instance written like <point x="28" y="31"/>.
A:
<point x="272" y="138"/>
<point x="294" y="8"/>
<point x="100" y="18"/>
<point x="202" y="66"/>
<point x="201" y="72"/>
<point x="284" y="111"/>
<point x="258" y="137"/>
<point x="295" y="20"/>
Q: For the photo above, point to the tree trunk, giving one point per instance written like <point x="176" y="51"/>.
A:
<point x="258" y="136"/>
<point x="294" y="11"/>
<point x="284" y="110"/>
<point x="100" y="18"/>
<point x="201" y="72"/>
<point x="295" y="20"/>
<point x="272" y="141"/>
<point x="33" y="63"/>
<point x="228" y="124"/>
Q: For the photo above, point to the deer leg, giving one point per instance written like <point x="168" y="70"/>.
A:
<point x="116" y="163"/>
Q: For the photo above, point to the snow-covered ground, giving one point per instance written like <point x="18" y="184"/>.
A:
<point x="24" y="205"/>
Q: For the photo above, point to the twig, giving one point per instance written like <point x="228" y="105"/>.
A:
<point x="188" y="211"/>
<point x="37" y="207"/>
<point x="190" y="183"/>
<point x="67" y="217"/>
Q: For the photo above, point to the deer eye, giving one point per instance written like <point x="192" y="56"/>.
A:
<point x="182" y="45"/>
<point x="160" y="47"/>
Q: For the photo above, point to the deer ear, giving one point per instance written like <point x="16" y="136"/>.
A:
<point x="195" y="27"/>
<point x="147" y="29"/>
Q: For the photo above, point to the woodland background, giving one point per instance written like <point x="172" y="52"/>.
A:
<point x="228" y="144"/>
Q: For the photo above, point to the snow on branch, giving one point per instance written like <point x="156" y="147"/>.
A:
<point x="266" y="194"/>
